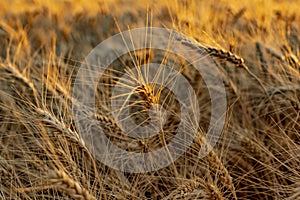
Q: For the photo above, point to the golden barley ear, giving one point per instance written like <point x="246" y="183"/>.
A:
<point x="196" y="188"/>
<point x="73" y="188"/>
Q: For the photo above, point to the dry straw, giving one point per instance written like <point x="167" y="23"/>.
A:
<point x="257" y="156"/>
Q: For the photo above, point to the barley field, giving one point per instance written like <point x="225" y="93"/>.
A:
<point x="255" y="47"/>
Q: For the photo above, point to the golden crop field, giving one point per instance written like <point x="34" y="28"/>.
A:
<point x="132" y="99"/>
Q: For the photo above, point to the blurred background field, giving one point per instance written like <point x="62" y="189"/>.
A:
<point x="216" y="22"/>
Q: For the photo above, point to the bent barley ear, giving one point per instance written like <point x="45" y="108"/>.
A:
<point x="227" y="55"/>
